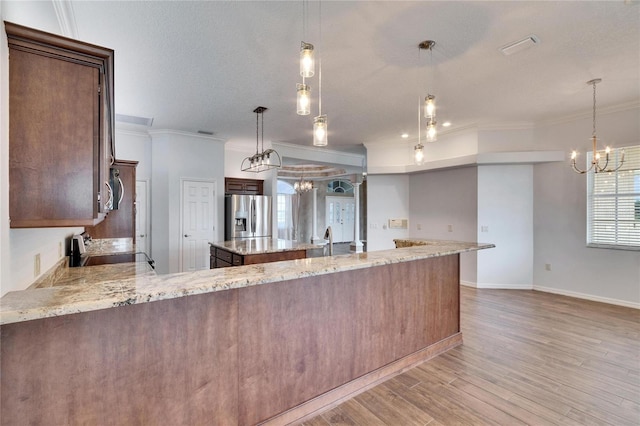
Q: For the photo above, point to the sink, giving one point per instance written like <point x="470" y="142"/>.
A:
<point x="108" y="259"/>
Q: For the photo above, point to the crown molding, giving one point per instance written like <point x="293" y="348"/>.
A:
<point x="66" y="18"/>
<point x="160" y="132"/>
<point x="588" y="114"/>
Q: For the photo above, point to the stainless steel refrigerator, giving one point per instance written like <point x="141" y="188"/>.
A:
<point x="247" y="216"/>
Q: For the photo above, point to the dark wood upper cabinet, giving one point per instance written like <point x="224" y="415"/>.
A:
<point x="243" y="186"/>
<point x="120" y="223"/>
<point x="61" y="122"/>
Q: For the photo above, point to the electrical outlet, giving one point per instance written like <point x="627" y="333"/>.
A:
<point x="59" y="249"/>
<point x="547" y="266"/>
<point x="450" y="228"/>
<point x="484" y="228"/>
<point x="419" y="227"/>
<point x="36" y="265"/>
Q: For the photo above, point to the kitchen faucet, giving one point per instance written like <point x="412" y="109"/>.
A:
<point x="328" y="235"/>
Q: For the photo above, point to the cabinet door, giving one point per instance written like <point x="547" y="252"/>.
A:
<point x="53" y="128"/>
<point x="60" y="129"/>
<point x="243" y="186"/>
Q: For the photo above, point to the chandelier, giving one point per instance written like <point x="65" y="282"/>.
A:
<point x="303" y="186"/>
<point x="265" y="160"/>
<point x="595" y="159"/>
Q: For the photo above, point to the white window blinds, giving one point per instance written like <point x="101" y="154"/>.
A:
<point x="613" y="202"/>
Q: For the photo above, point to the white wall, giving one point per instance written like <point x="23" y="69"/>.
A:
<point x="505" y="208"/>
<point x="444" y="198"/>
<point x="175" y="156"/>
<point x="560" y="218"/>
<point x="387" y="198"/>
<point x="135" y="146"/>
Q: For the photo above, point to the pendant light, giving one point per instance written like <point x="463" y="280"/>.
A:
<point x="307" y="61"/>
<point x="430" y="100"/>
<point x="595" y="160"/>
<point x="320" y="123"/>
<point x="304" y="100"/>
<point x="307" y="69"/>
<point x="265" y="160"/>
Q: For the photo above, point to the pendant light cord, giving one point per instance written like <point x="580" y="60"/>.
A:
<point x="594" y="109"/>
<point x="257" y="138"/>
<point x="320" y="60"/>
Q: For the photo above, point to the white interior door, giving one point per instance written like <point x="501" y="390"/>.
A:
<point x="340" y="214"/>
<point x="198" y="224"/>
<point x="142" y="211"/>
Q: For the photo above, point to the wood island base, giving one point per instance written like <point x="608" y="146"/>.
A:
<point x="273" y="353"/>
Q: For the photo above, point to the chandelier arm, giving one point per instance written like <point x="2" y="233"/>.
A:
<point x="577" y="170"/>
<point x="618" y="167"/>
<point x="606" y="163"/>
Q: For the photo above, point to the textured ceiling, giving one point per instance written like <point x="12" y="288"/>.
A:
<point x="205" y="65"/>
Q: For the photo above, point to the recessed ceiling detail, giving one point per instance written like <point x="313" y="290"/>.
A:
<point x="310" y="171"/>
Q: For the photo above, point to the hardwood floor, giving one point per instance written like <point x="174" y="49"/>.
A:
<point x="528" y="358"/>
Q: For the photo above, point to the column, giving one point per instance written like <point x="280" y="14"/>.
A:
<point x="314" y="223"/>
<point x="356" y="246"/>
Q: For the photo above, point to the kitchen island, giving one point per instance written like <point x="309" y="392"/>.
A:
<point x="270" y="343"/>
<point x="249" y="251"/>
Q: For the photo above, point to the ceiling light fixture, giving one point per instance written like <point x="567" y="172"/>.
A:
<point x="320" y="123"/>
<point x="302" y="186"/>
<point x="429" y="113"/>
<point x="303" y="99"/>
<point x="595" y="159"/>
<point x="430" y="100"/>
<point x="265" y="160"/>
<point x="307" y="69"/>
<point x="307" y="61"/>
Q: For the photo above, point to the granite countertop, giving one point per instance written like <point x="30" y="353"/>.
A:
<point x="248" y="246"/>
<point x="38" y="303"/>
<point x="85" y="275"/>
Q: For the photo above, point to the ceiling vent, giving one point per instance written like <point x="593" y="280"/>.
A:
<point x="132" y="119"/>
<point x="520" y="45"/>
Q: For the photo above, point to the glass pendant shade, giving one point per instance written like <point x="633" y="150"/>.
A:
<point x="418" y="154"/>
<point x="304" y="100"/>
<point x="430" y="107"/>
<point x="320" y="130"/>
<point x="432" y="133"/>
<point x="307" y="61"/>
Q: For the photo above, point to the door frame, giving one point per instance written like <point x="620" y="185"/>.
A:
<point x="214" y="182"/>
<point x="147" y="208"/>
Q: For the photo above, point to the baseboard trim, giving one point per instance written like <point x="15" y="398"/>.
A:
<point x="497" y="286"/>
<point x="585" y="296"/>
<point x="334" y="397"/>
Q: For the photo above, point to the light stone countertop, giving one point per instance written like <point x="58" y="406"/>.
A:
<point x="18" y="306"/>
<point x="249" y="246"/>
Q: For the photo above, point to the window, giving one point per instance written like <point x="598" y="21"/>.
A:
<point x="340" y="187"/>
<point x="613" y="203"/>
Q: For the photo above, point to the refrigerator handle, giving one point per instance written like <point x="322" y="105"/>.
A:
<point x="253" y="215"/>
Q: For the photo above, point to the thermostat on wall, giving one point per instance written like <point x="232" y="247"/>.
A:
<point x="398" y="223"/>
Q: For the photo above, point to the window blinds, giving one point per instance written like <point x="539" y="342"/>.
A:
<point x="613" y="201"/>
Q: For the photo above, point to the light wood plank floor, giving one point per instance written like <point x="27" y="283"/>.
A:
<point x="528" y="358"/>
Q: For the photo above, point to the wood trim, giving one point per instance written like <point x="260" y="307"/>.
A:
<point x="357" y="386"/>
